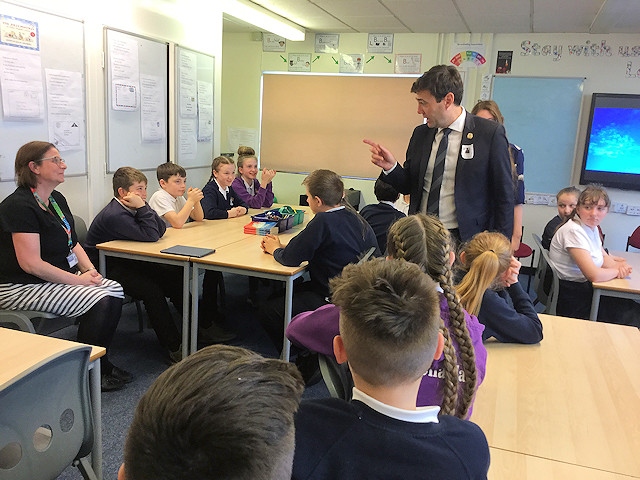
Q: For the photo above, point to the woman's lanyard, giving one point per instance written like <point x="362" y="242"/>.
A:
<point x="63" y="220"/>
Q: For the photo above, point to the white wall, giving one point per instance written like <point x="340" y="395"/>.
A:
<point x="198" y="28"/>
<point x="605" y="70"/>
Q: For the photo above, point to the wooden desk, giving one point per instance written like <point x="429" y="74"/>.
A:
<point x="20" y="351"/>
<point x="618" y="287"/>
<point x="573" y="398"/>
<point x="506" y="465"/>
<point x="208" y="234"/>
<point x="247" y="258"/>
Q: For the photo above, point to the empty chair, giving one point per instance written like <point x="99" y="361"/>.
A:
<point x="45" y="419"/>
<point x="634" y="239"/>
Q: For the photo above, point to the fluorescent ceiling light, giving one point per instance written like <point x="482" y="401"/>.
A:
<point x="264" y="19"/>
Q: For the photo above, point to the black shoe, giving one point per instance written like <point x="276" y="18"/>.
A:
<point x="108" y="383"/>
<point x="120" y="374"/>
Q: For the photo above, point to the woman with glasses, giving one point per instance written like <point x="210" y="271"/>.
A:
<point x="44" y="268"/>
<point x="577" y="253"/>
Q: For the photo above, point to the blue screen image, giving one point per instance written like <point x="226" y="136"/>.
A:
<point x="614" y="144"/>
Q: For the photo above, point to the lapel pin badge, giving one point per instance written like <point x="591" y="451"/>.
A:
<point x="469" y="135"/>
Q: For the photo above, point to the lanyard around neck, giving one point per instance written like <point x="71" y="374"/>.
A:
<point x="63" y="220"/>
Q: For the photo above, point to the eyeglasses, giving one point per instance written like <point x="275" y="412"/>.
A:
<point x="57" y="160"/>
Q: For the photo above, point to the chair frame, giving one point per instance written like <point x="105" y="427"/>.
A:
<point x="22" y="319"/>
<point x="533" y="257"/>
<point x="633" y="240"/>
<point x="549" y="300"/>
<point x="64" y="377"/>
<point x="336" y="376"/>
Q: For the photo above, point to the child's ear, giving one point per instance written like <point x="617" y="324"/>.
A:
<point x="440" y="347"/>
<point x="162" y="182"/>
<point x="122" y="192"/>
<point x="121" y="473"/>
<point x="338" y="349"/>
<point x="319" y="200"/>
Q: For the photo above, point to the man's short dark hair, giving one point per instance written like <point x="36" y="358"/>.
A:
<point x="168" y="169"/>
<point x="385" y="192"/>
<point x="389" y="320"/>
<point x="439" y="81"/>
<point x="224" y="412"/>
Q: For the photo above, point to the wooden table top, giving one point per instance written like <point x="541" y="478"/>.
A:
<point x="248" y="255"/>
<point x="206" y="234"/>
<point x="629" y="285"/>
<point x="20" y="351"/>
<point x="573" y="398"/>
<point x="506" y="465"/>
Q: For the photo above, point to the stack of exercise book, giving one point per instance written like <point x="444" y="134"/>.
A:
<point x="261" y="228"/>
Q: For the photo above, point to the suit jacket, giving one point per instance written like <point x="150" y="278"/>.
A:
<point x="483" y="190"/>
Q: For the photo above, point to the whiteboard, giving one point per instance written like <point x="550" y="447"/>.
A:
<point x="45" y="56"/>
<point x="194" y="107"/>
<point x="137" y="72"/>
<point x="310" y="121"/>
<point x="541" y="116"/>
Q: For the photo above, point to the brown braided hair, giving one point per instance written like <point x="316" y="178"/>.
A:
<point x="423" y="239"/>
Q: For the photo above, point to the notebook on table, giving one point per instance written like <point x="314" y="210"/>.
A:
<point x="188" y="251"/>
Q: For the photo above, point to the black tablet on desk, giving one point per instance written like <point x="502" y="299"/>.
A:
<point x="188" y="251"/>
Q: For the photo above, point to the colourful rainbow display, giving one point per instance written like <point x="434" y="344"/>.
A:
<point x="468" y="56"/>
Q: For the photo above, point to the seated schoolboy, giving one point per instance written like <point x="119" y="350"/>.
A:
<point x="335" y="237"/>
<point x="381" y="215"/>
<point x="170" y="204"/>
<point x="169" y="201"/>
<point x="566" y="200"/>
<point x="389" y="334"/>
<point x="224" y="412"/>
<point x="129" y="217"/>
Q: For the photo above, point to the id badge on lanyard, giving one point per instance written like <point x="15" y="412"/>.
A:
<point x="72" y="259"/>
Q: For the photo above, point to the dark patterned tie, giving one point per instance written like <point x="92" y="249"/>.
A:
<point x="433" y="201"/>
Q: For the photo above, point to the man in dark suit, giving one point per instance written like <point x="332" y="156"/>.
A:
<point x="457" y="164"/>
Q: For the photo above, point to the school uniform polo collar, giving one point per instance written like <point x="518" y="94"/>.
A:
<point x="419" y="415"/>
<point x="130" y="210"/>
<point x="223" y="191"/>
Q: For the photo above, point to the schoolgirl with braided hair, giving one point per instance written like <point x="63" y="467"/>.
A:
<point x="490" y="290"/>
<point x="452" y="380"/>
